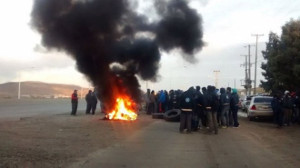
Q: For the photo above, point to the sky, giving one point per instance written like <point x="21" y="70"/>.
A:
<point x="227" y="27"/>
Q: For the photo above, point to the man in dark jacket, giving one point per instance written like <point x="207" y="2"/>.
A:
<point x="224" y="103"/>
<point x="88" y="99"/>
<point x="230" y="115"/>
<point x="203" y="114"/>
<point x="187" y="105"/>
<point x="74" y="101"/>
<point x="152" y="104"/>
<point x="234" y="103"/>
<point x="94" y="101"/>
<point x="198" y="105"/>
<point x="210" y="104"/>
<point x="287" y="105"/>
<point x="295" y="109"/>
<point x="278" y="113"/>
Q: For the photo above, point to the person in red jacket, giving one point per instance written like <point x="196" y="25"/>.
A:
<point x="74" y="101"/>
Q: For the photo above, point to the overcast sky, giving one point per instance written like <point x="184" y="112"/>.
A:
<point x="227" y="24"/>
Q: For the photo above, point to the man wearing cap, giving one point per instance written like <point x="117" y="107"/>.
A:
<point x="74" y="101"/>
<point x="287" y="107"/>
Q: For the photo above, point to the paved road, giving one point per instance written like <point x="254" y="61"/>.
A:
<point x="14" y="109"/>
<point x="160" y="145"/>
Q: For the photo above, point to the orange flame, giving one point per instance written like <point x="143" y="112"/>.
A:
<point x="123" y="110"/>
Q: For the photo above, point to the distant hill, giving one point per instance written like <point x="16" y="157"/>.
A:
<point x="39" y="90"/>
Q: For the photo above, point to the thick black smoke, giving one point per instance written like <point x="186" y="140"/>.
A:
<point x="103" y="37"/>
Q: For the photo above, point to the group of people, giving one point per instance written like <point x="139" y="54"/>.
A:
<point x="205" y="107"/>
<point x="162" y="101"/>
<point x="91" y="102"/>
<point x="286" y="108"/>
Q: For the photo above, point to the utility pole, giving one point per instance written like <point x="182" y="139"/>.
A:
<point x="234" y="83"/>
<point x="255" y="75"/>
<point x="249" y="69"/>
<point x="246" y="73"/>
<point x="216" y="77"/>
<point x="19" y="86"/>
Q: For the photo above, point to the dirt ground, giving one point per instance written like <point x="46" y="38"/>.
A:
<point x="58" y="140"/>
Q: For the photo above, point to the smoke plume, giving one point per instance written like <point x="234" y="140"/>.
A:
<point x="104" y="37"/>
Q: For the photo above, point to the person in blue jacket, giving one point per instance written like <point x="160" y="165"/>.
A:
<point x="234" y="103"/>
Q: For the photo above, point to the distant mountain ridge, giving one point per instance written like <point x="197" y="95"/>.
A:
<point x="34" y="89"/>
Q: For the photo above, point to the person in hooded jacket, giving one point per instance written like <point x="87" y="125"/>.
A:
<point x="161" y="101"/>
<point x="88" y="99"/>
<point x="210" y="105"/>
<point x="187" y="105"/>
<point x="219" y="107"/>
<point x="147" y="101"/>
<point x="234" y="103"/>
<point x="276" y="107"/>
<point x="295" y="112"/>
<point x="166" y="103"/>
<point x="198" y="106"/>
<point x="224" y="103"/>
<point x="203" y="114"/>
<point x="152" y="104"/>
<point x="74" y="101"/>
<point x="297" y="102"/>
<point x="287" y="105"/>
<point x="230" y="114"/>
<point x="171" y="98"/>
<point x="94" y="101"/>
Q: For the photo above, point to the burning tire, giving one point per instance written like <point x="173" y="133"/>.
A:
<point x="172" y="115"/>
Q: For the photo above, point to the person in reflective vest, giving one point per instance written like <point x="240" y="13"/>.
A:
<point x="74" y="101"/>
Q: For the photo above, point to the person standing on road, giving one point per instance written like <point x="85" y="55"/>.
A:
<point x="295" y="109"/>
<point x="234" y="102"/>
<point x="74" y="101"/>
<point x="276" y="107"/>
<point x="203" y="113"/>
<point x="161" y="101"/>
<point x="198" y="106"/>
<point x="219" y="107"/>
<point x="230" y="114"/>
<point x="287" y="105"/>
<point x="88" y="99"/>
<point x="224" y="103"/>
<point x="152" y="105"/>
<point x="94" y="101"/>
<point x="147" y="101"/>
<point x="186" y="105"/>
<point x="210" y="104"/>
<point x="298" y="106"/>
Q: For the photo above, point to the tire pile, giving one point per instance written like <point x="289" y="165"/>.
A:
<point x="172" y="115"/>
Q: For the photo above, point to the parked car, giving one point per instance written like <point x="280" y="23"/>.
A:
<point x="260" y="106"/>
<point x="245" y="102"/>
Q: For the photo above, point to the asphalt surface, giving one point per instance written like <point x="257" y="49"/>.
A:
<point x="15" y="109"/>
<point x="160" y="145"/>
